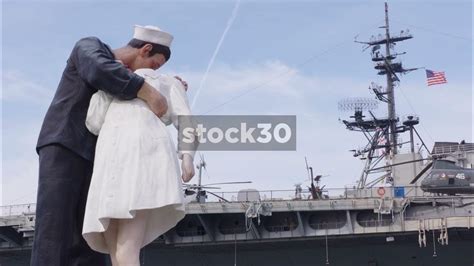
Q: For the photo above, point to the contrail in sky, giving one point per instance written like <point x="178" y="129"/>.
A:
<point x="211" y="62"/>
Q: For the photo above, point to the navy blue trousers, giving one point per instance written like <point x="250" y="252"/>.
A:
<point x="64" y="179"/>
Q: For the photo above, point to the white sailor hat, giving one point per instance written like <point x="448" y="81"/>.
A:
<point x="152" y="34"/>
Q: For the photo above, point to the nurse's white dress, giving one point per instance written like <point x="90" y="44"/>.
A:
<point x="136" y="164"/>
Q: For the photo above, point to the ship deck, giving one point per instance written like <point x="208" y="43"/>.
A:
<point x="353" y="227"/>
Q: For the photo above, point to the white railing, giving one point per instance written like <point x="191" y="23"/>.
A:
<point x="411" y="192"/>
<point x="19" y="209"/>
<point x="449" y="149"/>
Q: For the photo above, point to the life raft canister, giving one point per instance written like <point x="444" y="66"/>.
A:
<point x="381" y="191"/>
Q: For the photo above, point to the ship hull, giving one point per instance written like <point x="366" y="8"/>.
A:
<point x="373" y="250"/>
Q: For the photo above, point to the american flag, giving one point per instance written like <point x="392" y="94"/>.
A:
<point x="381" y="141"/>
<point x="434" y="77"/>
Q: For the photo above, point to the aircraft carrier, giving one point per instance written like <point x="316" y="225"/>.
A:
<point x="402" y="225"/>
<point x="410" y="207"/>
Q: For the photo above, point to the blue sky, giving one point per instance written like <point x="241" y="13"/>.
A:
<point x="302" y="52"/>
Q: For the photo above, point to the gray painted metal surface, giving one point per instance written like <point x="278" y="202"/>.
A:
<point x="360" y="231"/>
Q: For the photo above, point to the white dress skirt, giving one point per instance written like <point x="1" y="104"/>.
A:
<point x="136" y="164"/>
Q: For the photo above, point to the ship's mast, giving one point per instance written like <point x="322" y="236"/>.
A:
<point x="390" y="92"/>
<point x="381" y="133"/>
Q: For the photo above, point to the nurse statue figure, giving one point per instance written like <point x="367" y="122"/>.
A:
<point x="136" y="188"/>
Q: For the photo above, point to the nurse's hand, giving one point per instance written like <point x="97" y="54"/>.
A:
<point x="185" y="84"/>
<point x="155" y="100"/>
<point x="187" y="168"/>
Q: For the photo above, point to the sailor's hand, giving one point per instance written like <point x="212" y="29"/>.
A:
<point x="155" y="100"/>
<point x="187" y="168"/>
<point x="185" y="84"/>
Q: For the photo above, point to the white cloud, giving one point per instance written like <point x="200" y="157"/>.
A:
<point x="20" y="162"/>
<point x="271" y="86"/>
<point x="225" y="80"/>
<point x="18" y="87"/>
<point x="19" y="134"/>
<point x="20" y="179"/>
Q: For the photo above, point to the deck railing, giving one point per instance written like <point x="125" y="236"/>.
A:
<point x="275" y="195"/>
<point x="449" y="149"/>
<point x="18" y="209"/>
